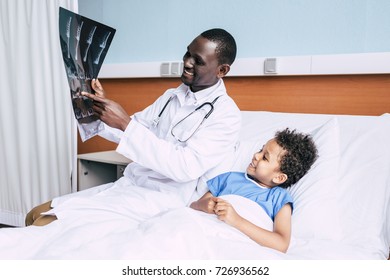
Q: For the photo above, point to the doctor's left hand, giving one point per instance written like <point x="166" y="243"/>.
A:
<point x="108" y="111"/>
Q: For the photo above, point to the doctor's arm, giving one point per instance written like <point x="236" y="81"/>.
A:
<point x="203" y="151"/>
<point x="207" y="148"/>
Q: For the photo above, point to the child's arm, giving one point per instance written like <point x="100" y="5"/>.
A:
<point x="278" y="239"/>
<point x="205" y="203"/>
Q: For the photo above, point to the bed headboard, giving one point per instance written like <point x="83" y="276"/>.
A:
<point x="341" y="94"/>
<point x="325" y="94"/>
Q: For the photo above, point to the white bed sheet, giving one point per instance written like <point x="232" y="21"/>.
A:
<point x="112" y="225"/>
<point x="178" y="233"/>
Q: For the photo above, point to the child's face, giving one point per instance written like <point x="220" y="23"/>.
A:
<point x="265" y="165"/>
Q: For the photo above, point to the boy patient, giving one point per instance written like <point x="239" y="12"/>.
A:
<point x="280" y="163"/>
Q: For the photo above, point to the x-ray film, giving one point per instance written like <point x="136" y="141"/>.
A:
<point x="84" y="44"/>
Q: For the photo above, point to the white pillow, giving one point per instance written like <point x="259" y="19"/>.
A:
<point x="315" y="210"/>
<point x="364" y="183"/>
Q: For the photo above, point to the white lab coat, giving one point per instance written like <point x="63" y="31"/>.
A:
<point x="162" y="163"/>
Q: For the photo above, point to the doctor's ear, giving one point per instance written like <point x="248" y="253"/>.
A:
<point x="223" y="70"/>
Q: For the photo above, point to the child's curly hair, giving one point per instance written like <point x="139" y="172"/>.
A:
<point x="301" y="153"/>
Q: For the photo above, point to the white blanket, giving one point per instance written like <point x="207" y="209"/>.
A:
<point x="114" y="231"/>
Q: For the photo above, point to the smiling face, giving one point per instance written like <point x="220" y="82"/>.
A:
<point x="265" y="165"/>
<point x="201" y="66"/>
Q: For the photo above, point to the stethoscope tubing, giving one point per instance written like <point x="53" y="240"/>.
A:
<point x="211" y="104"/>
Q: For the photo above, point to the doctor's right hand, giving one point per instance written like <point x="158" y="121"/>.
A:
<point x="108" y="111"/>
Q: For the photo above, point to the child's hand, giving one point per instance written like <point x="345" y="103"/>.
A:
<point x="225" y="212"/>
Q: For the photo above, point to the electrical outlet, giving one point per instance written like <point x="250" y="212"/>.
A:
<point x="165" y="69"/>
<point x="270" y="66"/>
<point x="171" y="69"/>
<point x="175" y="68"/>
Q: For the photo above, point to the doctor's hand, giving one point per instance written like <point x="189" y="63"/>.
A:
<point x="108" y="111"/>
<point x="206" y="203"/>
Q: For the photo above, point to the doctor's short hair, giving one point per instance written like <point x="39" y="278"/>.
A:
<point x="301" y="153"/>
<point x="226" y="49"/>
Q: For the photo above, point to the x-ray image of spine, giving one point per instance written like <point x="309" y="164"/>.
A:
<point x="102" y="47"/>
<point x="78" y="39"/>
<point x="84" y="44"/>
<point x="89" y="42"/>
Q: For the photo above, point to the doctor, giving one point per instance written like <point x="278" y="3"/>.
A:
<point x="184" y="138"/>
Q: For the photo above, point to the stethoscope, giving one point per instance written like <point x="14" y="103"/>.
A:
<point x="210" y="104"/>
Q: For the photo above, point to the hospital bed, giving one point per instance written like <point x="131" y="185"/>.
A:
<point x="341" y="210"/>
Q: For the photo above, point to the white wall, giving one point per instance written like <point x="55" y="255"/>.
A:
<point x="302" y="33"/>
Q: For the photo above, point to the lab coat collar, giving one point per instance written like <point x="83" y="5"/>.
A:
<point x="203" y="95"/>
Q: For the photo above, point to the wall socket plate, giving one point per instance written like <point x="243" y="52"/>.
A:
<point x="165" y="69"/>
<point x="270" y="66"/>
<point x="171" y="69"/>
